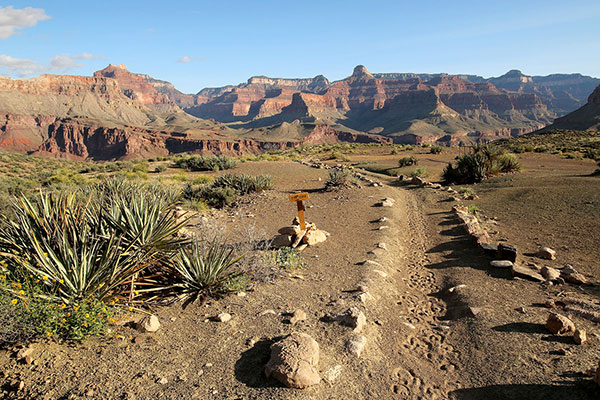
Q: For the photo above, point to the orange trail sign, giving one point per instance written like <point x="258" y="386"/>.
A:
<point x="298" y="198"/>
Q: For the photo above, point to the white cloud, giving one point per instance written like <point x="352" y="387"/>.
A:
<point x="26" y="67"/>
<point x="88" y="56"/>
<point x="188" y="59"/>
<point x="11" y="19"/>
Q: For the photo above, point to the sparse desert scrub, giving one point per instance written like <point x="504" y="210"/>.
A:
<point x="224" y="191"/>
<point x="419" y="172"/>
<point x="339" y="178"/>
<point x="435" y="149"/>
<point x="288" y="259"/>
<point x="204" y="163"/>
<point x="484" y="161"/>
<point x="407" y="161"/>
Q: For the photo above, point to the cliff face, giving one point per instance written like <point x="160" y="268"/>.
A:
<point x="584" y="118"/>
<point x="134" y="86"/>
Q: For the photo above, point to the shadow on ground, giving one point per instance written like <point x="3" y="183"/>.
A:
<point x="250" y="368"/>
<point x="579" y="390"/>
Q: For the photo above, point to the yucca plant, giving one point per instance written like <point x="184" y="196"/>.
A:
<point x="204" y="273"/>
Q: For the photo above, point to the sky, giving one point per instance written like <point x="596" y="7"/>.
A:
<point x="197" y="44"/>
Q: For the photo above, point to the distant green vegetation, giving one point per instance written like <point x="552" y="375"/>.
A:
<point x="204" y="163"/>
<point x="571" y="144"/>
<point x="339" y="178"/>
<point x="407" y="161"/>
<point x="226" y="189"/>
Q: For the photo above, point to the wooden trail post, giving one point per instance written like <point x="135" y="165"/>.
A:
<point x="298" y="198"/>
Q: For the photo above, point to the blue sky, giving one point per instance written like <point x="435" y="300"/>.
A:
<point x="225" y="42"/>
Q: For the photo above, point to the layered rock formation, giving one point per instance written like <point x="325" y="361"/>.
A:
<point x="584" y="118"/>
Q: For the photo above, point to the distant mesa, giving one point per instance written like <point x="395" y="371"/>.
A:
<point x="119" y="114"/>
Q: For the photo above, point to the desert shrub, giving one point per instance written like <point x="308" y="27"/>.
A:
<point x="473" y="209"/>
<point x="201" y="179"/>
<point x="485" y="160"/>
<point x="436" y="149"/>
<point x="79" y="246"/>
<point x="466" y="191"/>
<point x="407" y="161"/>
<point x="24" y="315"/>
<point x="244" y="184"/>
<point x="205" y="163"/>
<point x="206" y="273"/>
<point x="419" y="172"/>
<point x="288" y="259"/>
<point x="339" y="178"/>
<point x="160" y="168"/>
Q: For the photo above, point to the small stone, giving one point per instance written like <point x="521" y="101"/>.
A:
<point x="546" y="253"/>
<point x="521" y="310"/>
<point x="383" y="227"/>
<point x="314" y="236"/>
<point x="356" y="345"/>
<point x="162" y="381"/>
<point x="409" y="325"/>
<point x="224" y="317"/>
<point x="387" y="202"/>
<point x="363" y="297"/>
<point x="298" y="316"/>
<point x="382" y="219"/>
<point x="501" y="264"/>
<point x="21" y="385"/>
<point x="559" y="324"/>
<point x="362" y="288"/>
<point x="473" y="311"/>
<point x="139" y="339"/>
<point x="551" y="274"/>
<point x="241" y="294"/>
<point x="580" y="336"/>
<point x="252" y="341"/>
<point x="455" y="288"/>
<point x="149" y="323"/>
<point x="570" y="274"/>
<point x="267" y="312"/>
<point x="333" y="373"/>
<point x="382" y="245"/>
<point x="370" y="262"/>
<point x="294" y="361"/>
<point x="353" y="318"/>
<point x="208" y="365"/>
<point x="549" y="303"/>
<point x="526" y="273"/>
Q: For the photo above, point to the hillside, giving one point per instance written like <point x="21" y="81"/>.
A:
<point x="584" y="118"/>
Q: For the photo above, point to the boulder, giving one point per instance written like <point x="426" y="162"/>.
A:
<point x="282" y="241"/>
<point x="546" y="253"/>
<point x="294" y="361"/>
<point x="314" y="236"/>
<point x="550" y="274"/>
<point x="506" y="252"/>
<point x="149" y="323"/>
<point x="290" y="230"/>
<point x="559" y="324"/>
<point x="489" y="249"/>
<point x="418" y="181"/>
<point x="526" y="273"/>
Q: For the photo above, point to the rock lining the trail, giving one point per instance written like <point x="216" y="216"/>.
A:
<point x="294" y="361"/>
<point x="293" y="236"/>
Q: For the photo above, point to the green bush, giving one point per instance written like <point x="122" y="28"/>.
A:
<point x="407" y="161"/>
<point x="339" y="178"/>
<point x="205" y="163"/>
<point x="419" y="172"/>
<point x="475" y="167"/>
<point x="160" y="168"/>
<point x="225" y="190"/>
<point x="436" y="149"/>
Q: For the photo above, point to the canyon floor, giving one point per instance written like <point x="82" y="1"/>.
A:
<point x="422" y="340"/>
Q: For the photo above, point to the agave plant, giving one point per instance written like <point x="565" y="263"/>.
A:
<point x="204" y="273"/>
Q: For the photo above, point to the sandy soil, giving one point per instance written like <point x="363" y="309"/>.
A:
<point x="421" y="341"/>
